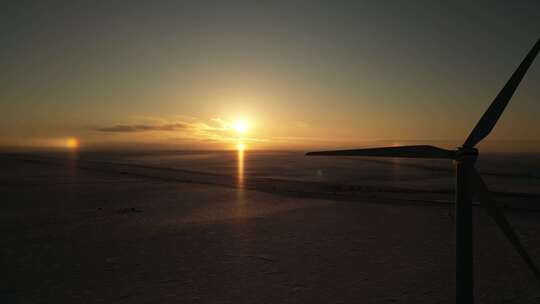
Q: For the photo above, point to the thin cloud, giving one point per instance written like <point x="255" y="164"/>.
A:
<point x="144" y="127"/>
<point x="216" y="130"/>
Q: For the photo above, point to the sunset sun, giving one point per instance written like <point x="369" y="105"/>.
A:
<point x="240" y="126"/>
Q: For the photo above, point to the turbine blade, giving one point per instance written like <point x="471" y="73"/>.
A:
<point x="496" y="212"/>
<point x="421" y="151"/>
<point x="491" y="116"/>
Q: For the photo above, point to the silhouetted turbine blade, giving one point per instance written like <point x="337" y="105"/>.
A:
<point x="490" y="117"/>
<point x="421" y="151"/>
<point x="496" y="212"/>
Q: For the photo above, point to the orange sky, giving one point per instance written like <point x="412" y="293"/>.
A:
<point x="304" y="75"/>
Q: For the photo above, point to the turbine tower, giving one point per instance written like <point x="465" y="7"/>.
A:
<point x="468" y="182"/>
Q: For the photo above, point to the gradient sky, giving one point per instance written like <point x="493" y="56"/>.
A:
<point x="302" y="74"/>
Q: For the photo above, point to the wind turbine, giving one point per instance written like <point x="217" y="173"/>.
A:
<point x="468" y="182"/>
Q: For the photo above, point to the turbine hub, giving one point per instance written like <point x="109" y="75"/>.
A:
<point x="466" y="154"/>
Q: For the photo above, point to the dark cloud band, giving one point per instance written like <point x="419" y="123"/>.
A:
<point x="144" y="128"/>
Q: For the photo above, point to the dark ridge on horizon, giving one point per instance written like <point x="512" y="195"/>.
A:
<point x="288" y="187"/>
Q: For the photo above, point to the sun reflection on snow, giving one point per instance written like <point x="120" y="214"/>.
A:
<point x="240" y="191"/>
<point x="240" y="164"/>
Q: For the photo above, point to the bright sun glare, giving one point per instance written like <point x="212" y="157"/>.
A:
<point x="72" y="143"/>
<point x="240" y="146"/>
<point x="240" y="126"/>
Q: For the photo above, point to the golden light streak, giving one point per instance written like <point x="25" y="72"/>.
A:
<point x="240" y="202"/>
<point x="240" y="173"/>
